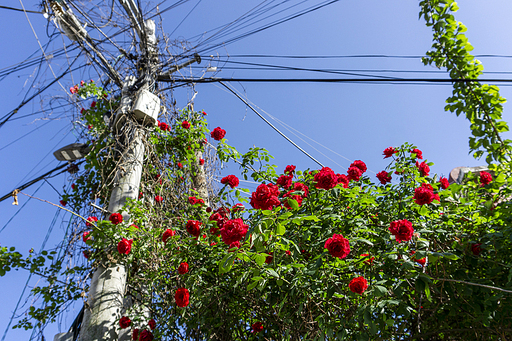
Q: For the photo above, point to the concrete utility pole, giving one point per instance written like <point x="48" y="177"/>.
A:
<point x="137" y="110"/>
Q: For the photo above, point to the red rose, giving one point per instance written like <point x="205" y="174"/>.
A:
<point x="86" y="254"/>
<point x="325" y="179"/>
<point x="295" y="197"/>
<point x="424" y="194"/>
<point x="158" y="199"/>
<point x="384" y="177"/>
<point x="218" y="134"/>
<point x="185" y="124"/>
<point x="152" y="324"/>
<point x="116" y="218"/>
<point x="288" y="252"/>
<point x="124" y="322"/>
<point x="401" y="229"/>
<point x="233" y="245"/>
<point x="354" y="173"/>
<point x="146" y="335"/>
<point x="201" y="162"/>
<point x="358" y="285"/>
<point x="163" y="126"/>
<point x="167" y="234"/>
<point x="269" y="258"/>
<point x="135" y="335"/>
<point x="257" y="327"/>
<point x="182" y="269"/>
<point x="84" y="236"/>
<point x="63" y="202"/>
<point x="475" y="248"/>
<point x="230" y="180"/>
<point x="193" y="201"/>
<point x="337" y="246"/>
<point x="124" y="246"/>
<point x="290" y="169"/>
<point x="182" y="297"/>
<point x="444" y="183"/>
<point x="419" y="154"/>
<point x="238" y="207"/>
<point x="82" y="83"/>
<point x="91" y="219"/>
<point x="180" y="165"/>
<point x="389" y="151"/>
<point x="204" y="113"/>
<point x="343" y="179"/>
<point x="233" y="231"/>
<point x="285" y="181"/>
<point x="299" y="186"/>
<point x="93" y="104"/>
<point x="359" y="164"/>
<point x="193" y="227"/>
<point x="72" y="186"/>
<point x="423" y="168"/>
<point x="485" y="178"/>
<point x="265" y="197"/>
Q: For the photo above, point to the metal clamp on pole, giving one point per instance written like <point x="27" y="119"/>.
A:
<point x="167" y="75"/>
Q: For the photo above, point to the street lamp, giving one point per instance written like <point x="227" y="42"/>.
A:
<point x="72" y="152"/>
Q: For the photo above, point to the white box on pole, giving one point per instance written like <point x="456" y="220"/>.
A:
<point x="146" y="107"/>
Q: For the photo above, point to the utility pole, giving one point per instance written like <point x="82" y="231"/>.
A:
<point x="138" y="109"/>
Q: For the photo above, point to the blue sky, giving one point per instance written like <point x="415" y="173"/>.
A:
<point x="353" y="120"/>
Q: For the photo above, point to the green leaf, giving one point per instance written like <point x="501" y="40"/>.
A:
<point x="260" y="259"/>
<point x="280" y="229"/>
<point x="272" y="272"/>
<point x="226" y="263"/>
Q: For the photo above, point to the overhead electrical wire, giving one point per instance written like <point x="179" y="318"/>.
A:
<point x="337" y="80"/>
<point x="271" y="125"/>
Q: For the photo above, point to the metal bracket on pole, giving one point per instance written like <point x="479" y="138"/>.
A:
<point x="167" y="75"/>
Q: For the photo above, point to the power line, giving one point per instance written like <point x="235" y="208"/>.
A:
<point x="39" y="178"/>
<point x="334" y="80"/>
<point x="271" y="125"/>
<point x="20" y="10"/>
